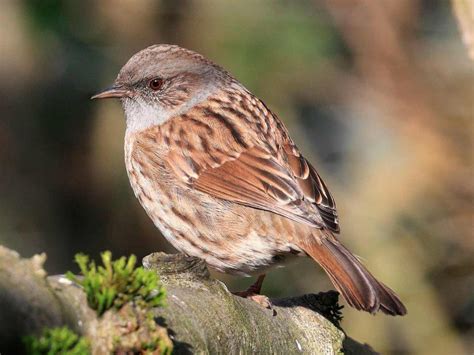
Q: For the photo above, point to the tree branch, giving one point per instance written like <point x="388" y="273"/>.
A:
<point x="201" y="315"/>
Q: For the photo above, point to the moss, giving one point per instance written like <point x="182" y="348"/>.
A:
<point x="156" y="345"/>
<point x="57" y="341"/>
<point x="114" y="283"/>
<point x="132" y="292"/>
<point x="135" y="332"/>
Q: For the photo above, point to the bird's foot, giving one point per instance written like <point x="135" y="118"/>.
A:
<point x="262" y="300"/>
<point x="253" y="294"/>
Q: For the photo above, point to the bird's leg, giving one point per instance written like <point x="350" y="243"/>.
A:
<point x="256" y="287"/>
<point x="253" y="293"/>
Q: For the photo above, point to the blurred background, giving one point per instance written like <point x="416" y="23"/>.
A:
<point x="378" y="95"/>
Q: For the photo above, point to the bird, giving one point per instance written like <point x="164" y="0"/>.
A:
<point x="219" y="175"/>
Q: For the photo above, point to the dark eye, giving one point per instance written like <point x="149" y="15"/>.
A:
<point x="156" y="84"/>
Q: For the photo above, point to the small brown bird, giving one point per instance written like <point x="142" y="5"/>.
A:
<point x="219" y="175"/>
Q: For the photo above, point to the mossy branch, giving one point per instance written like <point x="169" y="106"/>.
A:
<point x="53" y="341"/>
<point x="201" y="315"/>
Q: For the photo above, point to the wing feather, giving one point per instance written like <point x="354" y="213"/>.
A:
<point x="247" y="158"/>
<point x="258" y="179"/>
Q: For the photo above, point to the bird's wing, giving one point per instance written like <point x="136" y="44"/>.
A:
<point x="243" y="153"/>
<point x="291" y="188"/>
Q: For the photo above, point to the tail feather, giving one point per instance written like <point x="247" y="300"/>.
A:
<point x="358" y="286"/>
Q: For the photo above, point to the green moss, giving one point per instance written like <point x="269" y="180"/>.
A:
<point x="116" y="282"/>
<point x="57" y="341"/>
<point x="156" y="345"/>
<point x="164" y="347"/>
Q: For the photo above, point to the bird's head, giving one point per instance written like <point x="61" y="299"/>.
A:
<point x="162" y="81"/>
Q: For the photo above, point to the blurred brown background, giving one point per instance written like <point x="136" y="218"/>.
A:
<point x="379" y="95"/>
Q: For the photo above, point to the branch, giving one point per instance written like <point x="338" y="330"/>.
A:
<point x="201" y="315"/>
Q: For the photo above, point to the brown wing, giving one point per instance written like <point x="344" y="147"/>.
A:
<point x="290" y="187"/>
<point x="243" y="153"/>
<point x="313" y="187"/>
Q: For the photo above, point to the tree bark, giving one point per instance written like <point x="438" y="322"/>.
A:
<point x="201" y="315"/>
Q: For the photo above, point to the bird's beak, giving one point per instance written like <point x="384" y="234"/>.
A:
<point x="114" y="91"/>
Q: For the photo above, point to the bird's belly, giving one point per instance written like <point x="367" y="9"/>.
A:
<point x="229" y="237"/>
<point x="225" y="248"/>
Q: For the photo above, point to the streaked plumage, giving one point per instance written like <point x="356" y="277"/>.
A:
<point x="219" y="175"/>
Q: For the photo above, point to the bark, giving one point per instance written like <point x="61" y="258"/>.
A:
<point x="201" y="315"/>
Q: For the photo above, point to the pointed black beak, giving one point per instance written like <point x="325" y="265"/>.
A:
<point x="114" y="91"/>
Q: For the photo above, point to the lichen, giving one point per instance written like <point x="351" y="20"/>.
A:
<point x="117" y="282"/>
<point x="56" y="341"/>
<point x="135" y="332"/>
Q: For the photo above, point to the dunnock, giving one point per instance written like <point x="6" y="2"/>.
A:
<point x="219" y="175"/>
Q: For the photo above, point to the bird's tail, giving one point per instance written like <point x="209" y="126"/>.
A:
<point x="358" y="286"/>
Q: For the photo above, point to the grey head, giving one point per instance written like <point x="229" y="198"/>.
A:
<point x="163" y="81"/>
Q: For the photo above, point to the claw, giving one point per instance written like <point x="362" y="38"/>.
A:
<point x="253" y="294"/>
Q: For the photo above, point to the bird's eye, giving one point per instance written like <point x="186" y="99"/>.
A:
<point x="156" y="84"/>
